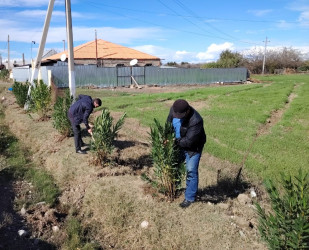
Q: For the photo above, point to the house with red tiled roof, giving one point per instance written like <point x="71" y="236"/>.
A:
<point x="105" y="54"/>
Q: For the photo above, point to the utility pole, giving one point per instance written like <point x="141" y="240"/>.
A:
<point x="38" y="59"/>
<point x="23" y="59"/>
<point x="70" y="47"/>
<point x="266" y="41"/>
<point x="96" y="48"/>
<point x="63" y="45"/>
<point x="8" y="52"/>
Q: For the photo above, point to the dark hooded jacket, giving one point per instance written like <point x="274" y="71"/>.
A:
<point x="80" y="111"/>
<point x="192" y="133"/>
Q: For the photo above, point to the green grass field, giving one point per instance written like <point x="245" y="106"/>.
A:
<point x="233" y="116"/>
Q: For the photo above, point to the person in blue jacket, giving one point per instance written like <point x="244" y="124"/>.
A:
<point x="190" y="137"/>
<point x="78" y="113"/>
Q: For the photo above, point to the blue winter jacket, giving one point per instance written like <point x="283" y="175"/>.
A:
<point x="81" y="109"/>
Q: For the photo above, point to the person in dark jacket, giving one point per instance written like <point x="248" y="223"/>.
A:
<point x="78" y="113"/>
<point x="190" y="137"/>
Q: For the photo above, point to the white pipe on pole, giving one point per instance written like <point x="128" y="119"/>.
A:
<point x="70" y="48"/>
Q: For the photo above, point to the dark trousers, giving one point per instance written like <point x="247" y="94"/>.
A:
<point x="77" y="133"/>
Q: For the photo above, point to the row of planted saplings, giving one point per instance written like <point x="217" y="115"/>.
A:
<point x="169" y="172"/>
<point x="287" y="227"/>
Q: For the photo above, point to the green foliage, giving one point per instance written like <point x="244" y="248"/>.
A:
<point x="44" y="183"/>
<point x="103" y="134"/>
<point x="233" y="115"/>
<point x="19" y="167"/>
<point x="304" y="66"/>
<point x="228" y="59"/>
<point x="288" y="226"/>
<point x="168" y="169"/>
<point x="40" y="98"/>
<point x="76" y="236"/>
<point x="4" y="74"/>
<point x="20" y="91"/>
<point x="210" y="65"/>
<point x="60" y="118"/>
<point x="172" y="64"/>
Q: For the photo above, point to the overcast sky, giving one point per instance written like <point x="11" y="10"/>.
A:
<point x="193" y="31"/>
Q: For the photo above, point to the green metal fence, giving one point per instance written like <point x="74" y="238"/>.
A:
<point x="86" y="75"/>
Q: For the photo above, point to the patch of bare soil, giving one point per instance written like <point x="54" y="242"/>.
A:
<point x="18" y="229"/>
<point x="173" y="88"/>
<point x="223" y="216"/>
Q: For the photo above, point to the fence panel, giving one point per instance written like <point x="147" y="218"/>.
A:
<point x="167" y="76"/>
<point x="21" y="74"/>
<point x="86" y="75"/>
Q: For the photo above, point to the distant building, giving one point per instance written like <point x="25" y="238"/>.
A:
<point x="49" y="53"/>
<point x="105" y="54"/>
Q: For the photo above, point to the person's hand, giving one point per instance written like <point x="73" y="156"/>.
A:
<point x="165" y="142"/>
<point x="90" y="131"/>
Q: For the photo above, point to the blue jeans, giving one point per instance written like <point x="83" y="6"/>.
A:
<point x="192" y="175"/>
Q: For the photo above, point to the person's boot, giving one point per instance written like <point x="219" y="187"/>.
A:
<point x="185" y="203"/>
<point x="81" y="152"/>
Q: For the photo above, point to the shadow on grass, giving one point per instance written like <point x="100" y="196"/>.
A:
<point x="127" y="144"/>
<point x="135" y="164"/>
<point x="5" y="140"/>
<point x="11" y="222"/>
<point x="224" y="189"/>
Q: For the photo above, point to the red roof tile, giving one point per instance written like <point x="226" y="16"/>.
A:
<point x="105" y="50"/>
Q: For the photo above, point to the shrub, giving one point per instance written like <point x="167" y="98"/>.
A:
<point x="168" y="169"/>
<point x="40" y="98"/>
<point x="4" y="74"/>
<point x="288" y="226"/>
<point x="60" y="118"/>
<point x="20" y="91"/>
<point x="304" y="66"/>
<point x="103" y="135"/>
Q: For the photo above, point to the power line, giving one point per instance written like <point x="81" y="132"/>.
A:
<point x="210" y="34"/>
<point x="196" y="17"/>
<point x="189" y="16"/>
<point x="165" y="26"/>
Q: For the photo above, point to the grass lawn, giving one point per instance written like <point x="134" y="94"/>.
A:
<point x="233" y="116"/>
